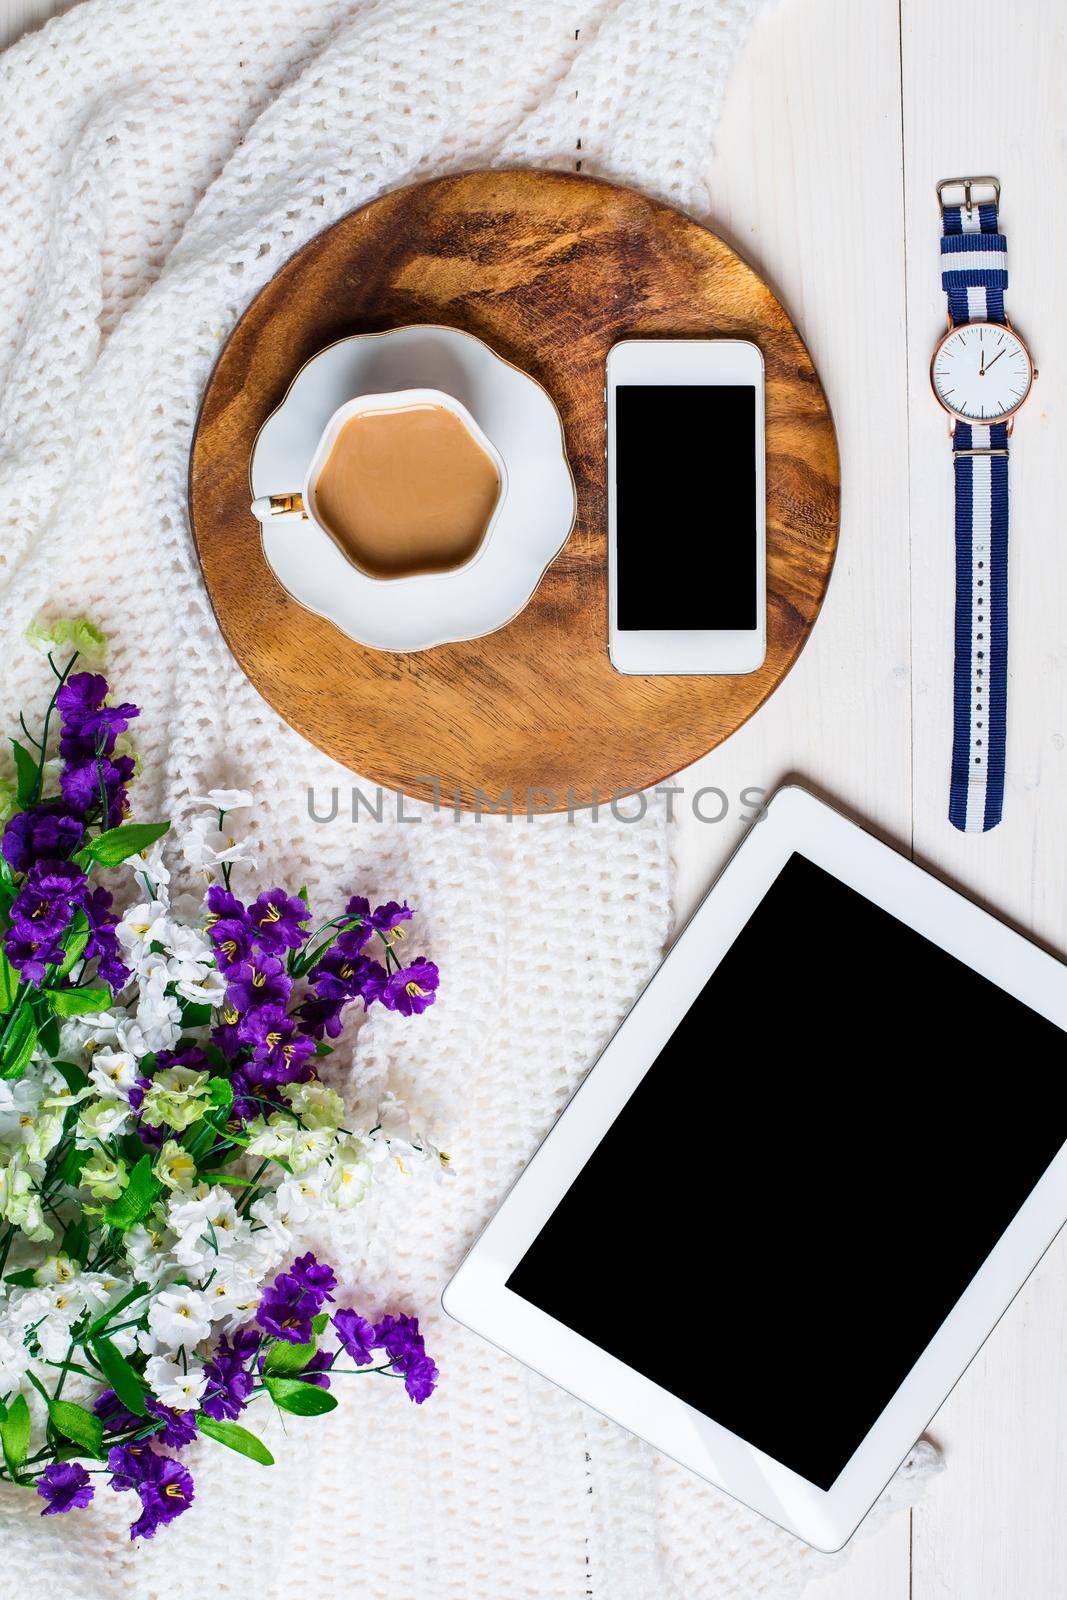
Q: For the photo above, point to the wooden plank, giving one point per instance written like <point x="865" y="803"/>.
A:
<point x="985" y="97"/>
<point x="806" y="181"/>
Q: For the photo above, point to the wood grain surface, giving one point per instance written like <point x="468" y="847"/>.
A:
<point x="550" y="269"/>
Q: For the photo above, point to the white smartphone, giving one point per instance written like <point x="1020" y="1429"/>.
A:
<point x="687" y="515"/>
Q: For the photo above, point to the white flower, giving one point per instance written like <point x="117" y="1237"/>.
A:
<point x="226" y="800"/>
<point x="317" y="1105"/>
<point x="148" y="1251"/>
<point x="14" y="1362"/>
<point x="173" y="1385"/>
<point x="281" y="1138"/>
<point x="205" y="1226"/>
<point x="19" y="1102"/>
<point x="150" y="866"/>
<point x="53" y="1309"/>
<point x="298" y="1198"/>
<point x="141" y="927"/>
<point x="113" y="1073"/>
<point x="100" y="1121"/>
<point x="233" y="1293"/>
<point x="177" y="1317"/>
<point x="350" y="1178"/>
<point x="174" y="1166"/>
<point x="209" y="990"/>
<point x="205" y="848"/>
<point x="159" y="1017"/>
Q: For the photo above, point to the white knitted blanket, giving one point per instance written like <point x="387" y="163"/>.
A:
<point x="158" y="160"/>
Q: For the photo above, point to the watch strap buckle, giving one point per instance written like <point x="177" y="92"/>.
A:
<point x="968" y="185"/>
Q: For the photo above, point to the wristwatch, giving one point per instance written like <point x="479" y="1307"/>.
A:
<point x="981" y="373"/>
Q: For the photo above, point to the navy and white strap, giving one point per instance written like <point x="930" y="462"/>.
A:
<point x="974" y="275"/>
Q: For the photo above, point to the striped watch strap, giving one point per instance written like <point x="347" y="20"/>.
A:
<point x="974" y="275"/>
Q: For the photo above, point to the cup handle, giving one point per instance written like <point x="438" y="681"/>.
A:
<point x="271" y="507"/>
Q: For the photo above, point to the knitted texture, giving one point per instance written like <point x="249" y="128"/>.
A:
<point x="160" y="159"/>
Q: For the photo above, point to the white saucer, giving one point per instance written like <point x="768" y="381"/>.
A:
<point x="532" y="527"/>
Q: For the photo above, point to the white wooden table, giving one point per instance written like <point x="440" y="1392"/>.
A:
<point x="841" y="116"/>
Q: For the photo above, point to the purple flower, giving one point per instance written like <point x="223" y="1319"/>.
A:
<point x="411" y="989"/>
<point x="191" y="1056"/>
<point x="278" y="1049"/>
<point x="41" y="913"/>
<point x="355" y="1334"/>
<point x="163" y="1484"/>
<point x="353" y="939"/>
<point x="164" y="1496"/>
<point x="178" y="1428"/>
<point x="103" y="942"/>
<point x="228" y="928"/>
<point x="229" y="1379"/>
<point x="278" y="919"/>
<point x="97" y="781"/>
<point x="321" y="1016"/>
<point x="130" y="1464"/>
<point x="66" y="1487"/>
<point x="340" y="976"/>
<point x="315" y="1277"/>
<point x="31" y="956"/>
<point x="250" y="1091"/>
<point x="385" y="919"/>
<point x="259" y="981"/>
<point x="222" y="903"/>
<point x="401" y="1340"/>
<point x="48" y="831"/>
<point x="112" y="1413"/>
<point x="89" y="727"/>
<point x="294" y="1298"/>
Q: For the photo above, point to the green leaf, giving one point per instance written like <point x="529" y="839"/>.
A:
<point x="76" y="1002"/>
<point x="25" y="772"/>
<point x="73" y="1076"/>
<point x="121" y="1376"/>
<point x="137" y="1199"/>
<point x="77" y="1424"/>
<point x="21" y="1043"/>
<point x="9" y="983"/>
<point x="220" y="1091"/>
<point x="118" y="844"/>
<point x="234" y="1437"/>
<point x="76" y="1239"/>
<point x="319" y="1322"/>
<point x="283" y="1357"/>
<point x="48" y="1036"/>
<point x="120" y="1305"/>
<point x="70" y="1168"/>
<point x="74" y="942"/>
<point x="21" y="1280"/>
<point x="15" y="1433"/>
<point x="195" y="1014"/>
<point x="302" y="1399"/>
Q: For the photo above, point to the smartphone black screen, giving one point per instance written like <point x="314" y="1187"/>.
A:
<point x="684" y="460"/>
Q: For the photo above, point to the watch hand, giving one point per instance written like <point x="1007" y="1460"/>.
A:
<point x="996" y="358"/>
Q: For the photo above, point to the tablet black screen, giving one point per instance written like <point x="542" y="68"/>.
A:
<point x="809" y="1175"/>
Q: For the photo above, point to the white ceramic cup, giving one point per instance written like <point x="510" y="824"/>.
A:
<point x="300" y="505"/>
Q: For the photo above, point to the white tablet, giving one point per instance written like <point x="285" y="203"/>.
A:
<point x="802" y="1183"/>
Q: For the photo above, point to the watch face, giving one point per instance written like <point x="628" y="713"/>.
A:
<point x="981" y="371"/>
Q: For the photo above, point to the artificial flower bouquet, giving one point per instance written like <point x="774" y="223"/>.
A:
<point x="164" y="1130"/>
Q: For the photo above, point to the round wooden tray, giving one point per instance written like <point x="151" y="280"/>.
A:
<point x="550" y="269"/>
